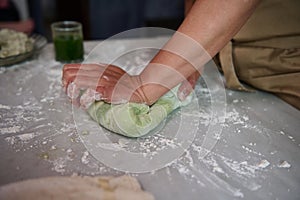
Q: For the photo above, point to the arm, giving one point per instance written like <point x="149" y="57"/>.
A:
<point x="210" y="23"/>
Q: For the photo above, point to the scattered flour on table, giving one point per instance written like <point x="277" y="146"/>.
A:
<point x="84" y="158"/>
<point x="59" y="165"/>
<point x="41" y="122"/>
<point x="57" y="147"/>
<point x="12" y="129"/>
<point x="4" y="107"/>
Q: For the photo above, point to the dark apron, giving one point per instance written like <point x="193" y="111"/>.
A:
<point x="265" y="53"/>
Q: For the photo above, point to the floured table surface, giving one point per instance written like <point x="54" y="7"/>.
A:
<point x="255" y="157"/>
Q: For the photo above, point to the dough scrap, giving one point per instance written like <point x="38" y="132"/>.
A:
<point x="14" y="43"/>
<point x="136" y="119"/>
<point x="75" y="188"/>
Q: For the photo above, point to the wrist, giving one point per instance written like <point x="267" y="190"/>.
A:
<point x="147" y="92"/>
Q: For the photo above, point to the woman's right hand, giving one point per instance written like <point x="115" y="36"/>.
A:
<point x="187" y="86"/>
<point x="112" y="83"/>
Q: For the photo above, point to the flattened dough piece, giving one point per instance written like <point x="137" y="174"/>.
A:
<point x="75" y="188"/>
<point x="135" y="119"/>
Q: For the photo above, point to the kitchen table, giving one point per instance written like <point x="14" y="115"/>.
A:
<point x="255" y="156"/>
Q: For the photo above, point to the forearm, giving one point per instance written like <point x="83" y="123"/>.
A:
<point x="212" y="23"/>
<point x="208" y="26"/>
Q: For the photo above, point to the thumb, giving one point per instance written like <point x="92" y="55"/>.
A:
<point x="187" y="86"/>
<point x="184" y="90"/>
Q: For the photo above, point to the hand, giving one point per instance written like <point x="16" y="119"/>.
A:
<point x="112" y="83"/>
<point x="187" y="86"/>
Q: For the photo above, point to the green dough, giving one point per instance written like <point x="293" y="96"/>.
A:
<point x="135" y="119"/>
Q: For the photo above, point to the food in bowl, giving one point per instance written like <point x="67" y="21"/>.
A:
<point x="13" y="43"/>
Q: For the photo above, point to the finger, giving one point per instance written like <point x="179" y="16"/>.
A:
<point x="109" y="72"/>
<point x="78" y="66"/>
<point x="88" y="97"/>
<point x="70" y="69"/>
<point x="184" y="90"/>
<point x="67" y="67"/>
<point x="84" y="82"/>
<point x="193" y="79"/>
<point x="105" y="93"/>
<point x="88" y="81"/>
<point x="114" y="71"/>
<point x="78" y="75"/>
<point x="73" y="91"/>
<point x="69" y="75"/>
<point x="110" y="95"/>
<point x="187" y="86"/>
<point x="94" y="67"/>
<point x="72" y="74"/>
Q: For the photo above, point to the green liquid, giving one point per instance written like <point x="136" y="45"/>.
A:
<point x="68" y="48"/>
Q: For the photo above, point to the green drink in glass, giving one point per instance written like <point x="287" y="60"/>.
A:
<point x="68" y="41"/>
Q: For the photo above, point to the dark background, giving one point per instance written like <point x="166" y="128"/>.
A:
<point x="104" y="18"/>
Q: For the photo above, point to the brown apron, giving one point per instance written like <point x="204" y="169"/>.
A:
<point x="265" y="53"/>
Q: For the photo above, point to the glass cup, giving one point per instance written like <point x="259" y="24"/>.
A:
<point x="68" y="41"/>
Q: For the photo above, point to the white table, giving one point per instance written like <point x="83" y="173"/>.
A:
<point x="256" y="157"/>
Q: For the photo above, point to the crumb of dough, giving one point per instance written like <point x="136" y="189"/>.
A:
<point x="284" y="164"/>
<point x="263" y="164"/>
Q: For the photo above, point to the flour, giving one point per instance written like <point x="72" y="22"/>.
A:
<point x="12" y="129"/>
<point x="24" y="138"/>
<point x="251" y="150"/>
<point x="59" y="165"/>
<point x="10" y="140"/>
<point x="40" y="122"/>
<point x="84" y="158"/>
<point x="5" y="107"/>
